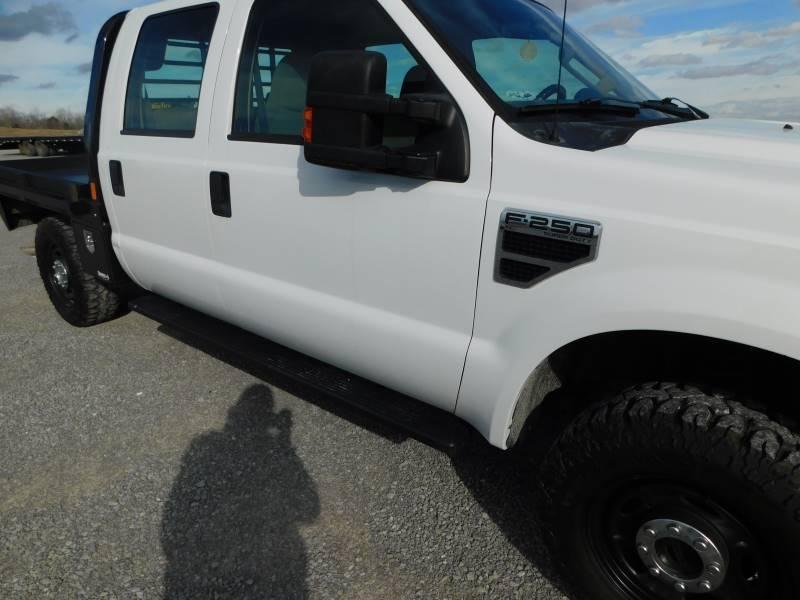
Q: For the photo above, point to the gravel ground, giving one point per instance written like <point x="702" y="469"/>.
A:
<point x="138" y="466"/>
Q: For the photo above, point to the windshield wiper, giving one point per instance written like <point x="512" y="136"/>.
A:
<point x="630" y="109"/>
<point x="668" y="106"/>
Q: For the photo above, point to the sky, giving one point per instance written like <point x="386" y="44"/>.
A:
<point x="738" y="58"/>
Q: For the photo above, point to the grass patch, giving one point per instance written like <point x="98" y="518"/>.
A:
<point x="15" y="132"/>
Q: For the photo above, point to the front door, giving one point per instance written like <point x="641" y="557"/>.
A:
<point x="374" y="273"/>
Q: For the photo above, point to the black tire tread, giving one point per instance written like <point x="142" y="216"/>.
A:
<point x="763" y="452"/>
<point x="97" y="304"/>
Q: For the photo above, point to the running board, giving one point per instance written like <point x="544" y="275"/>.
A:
<point x="427" y="423"/>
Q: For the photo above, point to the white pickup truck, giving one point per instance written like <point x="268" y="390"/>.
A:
<point x="470" y="205"/>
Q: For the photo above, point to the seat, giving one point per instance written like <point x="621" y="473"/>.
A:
<point x="419" y="80"/>
<point x="287" y="98"/>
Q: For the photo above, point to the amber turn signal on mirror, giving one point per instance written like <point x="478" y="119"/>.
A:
<point x="308" y="128"/>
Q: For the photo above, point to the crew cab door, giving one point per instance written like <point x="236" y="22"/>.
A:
<point x="154" y="145"/>
<point x="374" y="273"/>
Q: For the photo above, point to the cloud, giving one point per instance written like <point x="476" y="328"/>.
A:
<point x="45" y="19"/>
<point x="622" y="26"/>
<point x="71" y="38"/>
<point x="763" y="66"/>
<point x="4" y="78"/>
<point x="586" y="4"/>
<point x="740" y="39"/>
<point x="753" y="39"/>
<point x="84" y="68"/>
<point x="579" y="5"/>
<point x="790" y="30"/>
<point x="775" y="109"/>
<point x="50" y="85"/>
<point x="670" y="60"/>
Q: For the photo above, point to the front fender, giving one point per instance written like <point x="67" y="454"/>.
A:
<point x="695" y="303"/>
<point x="688" y="247"/>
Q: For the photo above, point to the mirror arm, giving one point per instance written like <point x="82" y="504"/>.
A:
<point x="419" y="109"/>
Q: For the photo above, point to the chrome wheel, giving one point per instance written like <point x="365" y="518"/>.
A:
<point x="60" y="274"/>
<point x="681" y="555"/>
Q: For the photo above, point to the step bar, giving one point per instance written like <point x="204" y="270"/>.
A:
<point x="431" y="425"/>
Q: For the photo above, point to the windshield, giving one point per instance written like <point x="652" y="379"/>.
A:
<point x="513" y="46"/>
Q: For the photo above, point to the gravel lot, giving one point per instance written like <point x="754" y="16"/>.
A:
<point x="135" y="465"/>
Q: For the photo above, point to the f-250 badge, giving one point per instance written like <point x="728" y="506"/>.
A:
<point x="532" y="247"/>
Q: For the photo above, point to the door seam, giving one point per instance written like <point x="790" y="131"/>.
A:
<point x="480" y="261"/>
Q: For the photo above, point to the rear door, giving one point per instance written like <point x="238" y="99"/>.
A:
<point x="374" y="273"/>
<point x="154" y="144"/>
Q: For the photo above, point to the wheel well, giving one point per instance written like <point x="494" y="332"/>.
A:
<point x="589" y="369"/>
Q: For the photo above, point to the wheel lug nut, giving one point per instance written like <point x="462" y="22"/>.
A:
<point x="674" y="529"/>
<point x="680" y="587"/>
<point x="643" y="549"/>
<point x="655" y="571"/>
<point x="705" y="586"/>
<point x="650" y="532"/>
<point x="714" y="569"/>
<point x="700" y="546"/>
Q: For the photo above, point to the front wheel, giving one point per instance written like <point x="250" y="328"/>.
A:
<point x="79" y="298"/>
<point x="667" y="492"/>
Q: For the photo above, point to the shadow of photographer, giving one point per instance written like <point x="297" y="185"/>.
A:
<point x="230" y="527"/>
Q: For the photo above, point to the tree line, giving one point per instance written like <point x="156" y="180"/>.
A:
<point x="36" y="119"/>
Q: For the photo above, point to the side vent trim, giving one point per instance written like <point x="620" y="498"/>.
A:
<point x="534" y="246"/>
<point x="522" y="272"/>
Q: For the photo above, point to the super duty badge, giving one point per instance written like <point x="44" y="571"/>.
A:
<point x="534" y="246"/>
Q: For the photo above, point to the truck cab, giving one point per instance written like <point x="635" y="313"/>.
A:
<point x="471" y="205"/>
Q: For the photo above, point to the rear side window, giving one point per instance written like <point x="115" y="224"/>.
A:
<point x="167" y="73"/>
<point x="281" y="40"/>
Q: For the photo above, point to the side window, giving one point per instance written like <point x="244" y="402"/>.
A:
<point x="281" y="40"/>
<point x="167" y="73"/>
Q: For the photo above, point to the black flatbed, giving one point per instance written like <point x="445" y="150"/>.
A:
<point x="59" y="184"/>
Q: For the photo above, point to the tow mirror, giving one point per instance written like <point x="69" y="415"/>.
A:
<point x="351" y="123"/>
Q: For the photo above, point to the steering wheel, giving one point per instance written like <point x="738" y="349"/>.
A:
<point x="553" y="89"/>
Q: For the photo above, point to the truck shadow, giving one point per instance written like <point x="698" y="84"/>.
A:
<point x="291" y="386"/>
<point x="230" y="528"/>
<point x="504" y="485"/>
